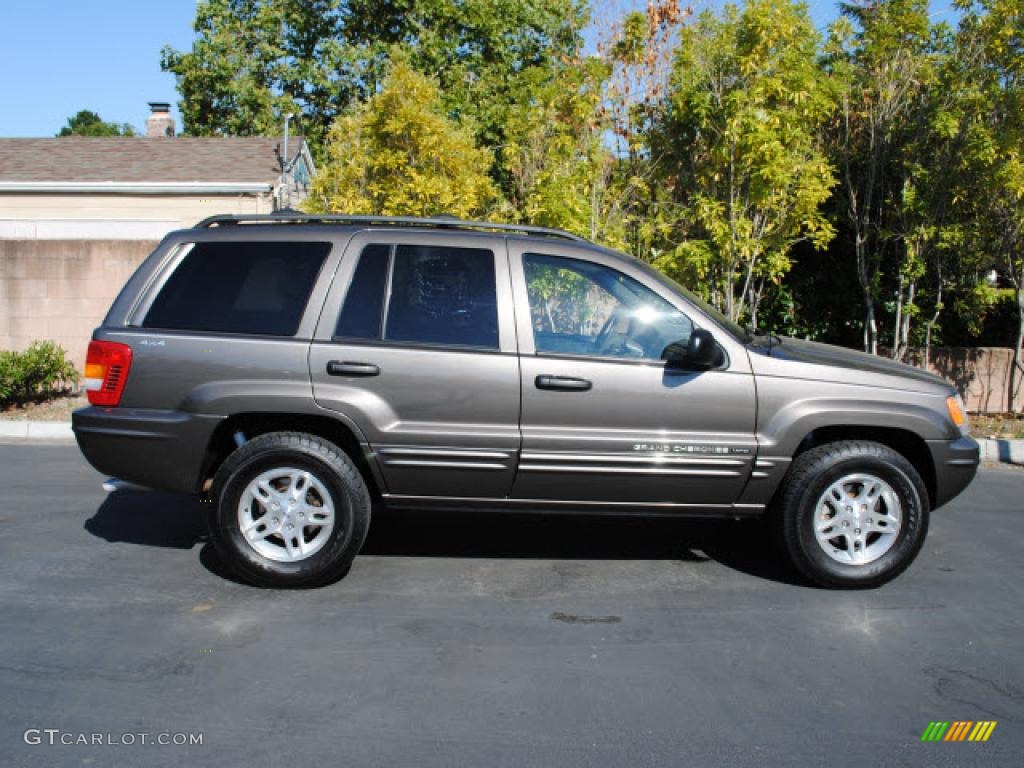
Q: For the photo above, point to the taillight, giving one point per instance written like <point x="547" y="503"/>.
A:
<point x="106" y="371"/>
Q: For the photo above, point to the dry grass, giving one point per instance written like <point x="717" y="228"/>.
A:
<point x="58" y="409"/>
<point x="1001" y="425"/>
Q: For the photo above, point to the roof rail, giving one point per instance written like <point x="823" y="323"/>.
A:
<point x="439" y="222"/>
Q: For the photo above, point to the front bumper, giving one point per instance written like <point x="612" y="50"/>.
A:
<point x="157" y="449"/>
<point x="956" y="464"/>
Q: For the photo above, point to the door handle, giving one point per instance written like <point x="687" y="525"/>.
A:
<point x="565" y="383"/>
<point x="346" y="368"/>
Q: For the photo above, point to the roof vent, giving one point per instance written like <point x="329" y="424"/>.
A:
<point x="159" y="124"/>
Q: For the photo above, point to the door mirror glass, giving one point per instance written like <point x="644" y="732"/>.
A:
<point x="700" y="350"/>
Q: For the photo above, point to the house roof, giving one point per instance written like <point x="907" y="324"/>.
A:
<point x="78" y="163"/>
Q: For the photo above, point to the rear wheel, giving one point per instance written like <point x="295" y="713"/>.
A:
<point x="289" y="510"/>
<point x="854" y="514"/>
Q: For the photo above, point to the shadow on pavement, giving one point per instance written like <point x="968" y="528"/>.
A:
<point x="178" y="521"/>
<point x="745" y="546"/>
<point x="150" y="518"/>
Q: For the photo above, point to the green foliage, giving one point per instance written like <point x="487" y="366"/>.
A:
<point x="992" y="37"/>
<point x="567" y="300"/>
<point x="252" y="61"/>
<point x="745" y="108"/>
<point x="40" y="372"/>
<point x="560" y="171"/>
<point x="880" y="61"/>
<point x="773" y="172"/>
<point x="399" y="154"/>
<point x="86" y="123"/>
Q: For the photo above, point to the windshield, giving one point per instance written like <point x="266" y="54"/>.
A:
<point x="734" y="329"/>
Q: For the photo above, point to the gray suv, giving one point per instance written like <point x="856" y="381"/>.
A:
<point x="298" y="369"/>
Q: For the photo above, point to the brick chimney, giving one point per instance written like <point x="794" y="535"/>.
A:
<point x="159" y="124"/>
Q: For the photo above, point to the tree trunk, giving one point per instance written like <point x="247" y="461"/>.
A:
<point x="870" y="325"/>
<point x="1018" y="366"/>
<point x="903" y="327"/>
<point x="898" y="325"/>
<point x="931" y="325"/>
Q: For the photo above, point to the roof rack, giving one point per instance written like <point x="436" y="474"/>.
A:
<point x="439" y="222"/>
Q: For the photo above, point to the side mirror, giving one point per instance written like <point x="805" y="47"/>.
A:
<point x="700" y="351"/>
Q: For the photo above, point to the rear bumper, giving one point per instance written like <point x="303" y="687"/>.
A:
<point x="157" y="449"/>
<point x="956" y="463"/>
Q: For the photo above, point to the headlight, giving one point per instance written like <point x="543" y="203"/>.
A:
<point x="957" y="412"/>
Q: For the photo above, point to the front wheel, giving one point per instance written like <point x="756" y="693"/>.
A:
<point x="289" y="510"/>
<point x="854" y="514"/>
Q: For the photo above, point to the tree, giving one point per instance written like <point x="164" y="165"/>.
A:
<point x="745" y="108"/>
<point x="253" y="61"/>
<point x="878" y="59"/>
<point x="560" y="171"/>
<point x="638" y="48"/>
<point x="991" y="43"/>
<point x="924" y="225"/>
<point x="485" y="54"/>
<point x="399" y="154"/>
<point x="87" y="123"/>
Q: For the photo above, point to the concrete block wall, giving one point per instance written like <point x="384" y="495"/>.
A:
<point x="61" y="289"/>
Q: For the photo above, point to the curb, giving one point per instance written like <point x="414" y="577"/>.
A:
<point x="36" y="430"/>
<point x="1003" y="451"/>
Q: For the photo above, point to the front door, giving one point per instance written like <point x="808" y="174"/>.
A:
<point x="604" y="421"/>
<point x="416" y="346"/>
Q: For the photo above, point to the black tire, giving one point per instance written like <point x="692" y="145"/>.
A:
<point x="811" y="476"/>
<point x="332" y="468"/>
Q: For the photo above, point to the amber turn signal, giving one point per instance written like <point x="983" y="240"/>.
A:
<point x="956" y="412"/>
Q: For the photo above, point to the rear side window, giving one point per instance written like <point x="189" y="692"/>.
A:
<point x="253" y="288"/>
<point x="423" y="295"/>
<point x="363" y="313"/>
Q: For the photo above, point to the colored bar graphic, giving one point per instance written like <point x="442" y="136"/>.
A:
<point x="982" y="730"/>
<point x="958" y="730"/>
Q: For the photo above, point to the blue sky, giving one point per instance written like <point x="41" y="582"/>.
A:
<point x="61" y="56"/>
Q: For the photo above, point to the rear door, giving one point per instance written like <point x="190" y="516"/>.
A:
<point x="603" y="419"/>
<point x="416" y="346"/>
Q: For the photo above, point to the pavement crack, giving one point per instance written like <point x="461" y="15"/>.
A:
<point x="571" y="618"/>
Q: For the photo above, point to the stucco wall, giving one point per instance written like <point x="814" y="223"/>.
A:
<point x="27" y="216"/>
<point x="980" y="374"/>
<point x="61" y="289"/>
<point x="63" y="258"/>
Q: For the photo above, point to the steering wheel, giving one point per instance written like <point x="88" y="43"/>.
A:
<point x="612" y="343"/>
<point x="602" y="336"/>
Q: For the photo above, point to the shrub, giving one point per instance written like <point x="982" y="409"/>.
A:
<point x="40" y="372"/>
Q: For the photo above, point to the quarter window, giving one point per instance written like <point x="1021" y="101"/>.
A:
<point x="364" y="306"/>
<point x="581" y="308"/>
<point x="252" y="288"/>
<point x="423" y="295"/>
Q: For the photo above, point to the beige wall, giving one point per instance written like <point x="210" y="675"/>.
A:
<point x="167" y="212"/>
<point x="63" y="258"/>
<point x="60" y="290"/>
<point x="980" y="374"/>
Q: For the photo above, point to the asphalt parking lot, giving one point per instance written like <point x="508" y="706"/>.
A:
<point x="462" y="640"/>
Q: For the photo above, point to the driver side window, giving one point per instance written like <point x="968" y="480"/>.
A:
<point x="581" y="308"/>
